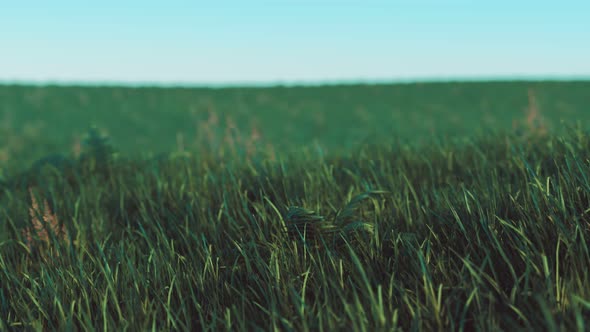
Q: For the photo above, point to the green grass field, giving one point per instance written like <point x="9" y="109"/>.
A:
<point x="440" y="206"/>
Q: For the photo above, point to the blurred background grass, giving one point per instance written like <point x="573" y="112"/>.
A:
<point x="41" y="120"/>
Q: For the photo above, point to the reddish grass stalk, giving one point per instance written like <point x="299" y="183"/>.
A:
<point x="534" y="120"/>
<point x="42" y="226"/>
<point x="533" y="125"/>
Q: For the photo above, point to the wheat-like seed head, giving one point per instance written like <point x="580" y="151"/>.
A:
<point x="44" y="223"/>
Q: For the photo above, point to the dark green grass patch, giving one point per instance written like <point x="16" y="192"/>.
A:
<point x="484" y="233"/>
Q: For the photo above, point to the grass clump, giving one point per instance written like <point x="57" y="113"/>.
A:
<point x="307" y="226"/>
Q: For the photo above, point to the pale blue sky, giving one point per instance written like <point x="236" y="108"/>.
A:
<point x="291" y="41"/>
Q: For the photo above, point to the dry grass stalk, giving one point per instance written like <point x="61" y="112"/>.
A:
<point x="77" y="147"/>
<point x="252" y="141"/>
<point x="534" y="124"/>
<point x="4" y="155"/>
<point x="533" y="114"/>
<point x="44" y="223"/>
<point x="535" y="121"/>
<point x="229" y="140"/>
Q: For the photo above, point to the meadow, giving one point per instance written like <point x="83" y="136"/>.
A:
<point x="424" y="206"/>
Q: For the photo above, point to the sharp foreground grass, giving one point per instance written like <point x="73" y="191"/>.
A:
<point x="488" y="232"/>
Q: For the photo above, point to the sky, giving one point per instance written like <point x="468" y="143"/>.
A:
<point x="283" y="41"/>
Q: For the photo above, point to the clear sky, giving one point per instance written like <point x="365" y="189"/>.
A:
<point x="253" y="41"/>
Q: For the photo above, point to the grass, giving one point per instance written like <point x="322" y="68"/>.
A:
<point x="482" y="231"/>
<point x="40" y="121"/>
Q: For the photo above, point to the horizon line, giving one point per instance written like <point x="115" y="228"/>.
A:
<point x="294" y="83"/>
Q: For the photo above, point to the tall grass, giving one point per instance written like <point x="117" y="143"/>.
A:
<point x="40" y="120"/>
<point x="484" y="233"/>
